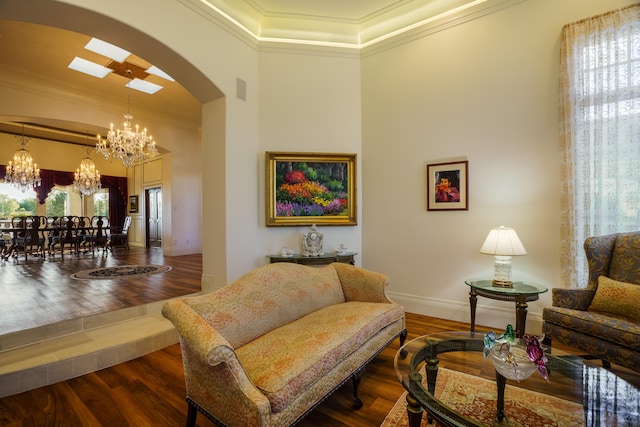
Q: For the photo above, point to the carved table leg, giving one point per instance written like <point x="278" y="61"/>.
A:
<point x="521" y="315"/>
<point x="414" y="411"/>
<point x="501" y="416"/>
<point x="431" y="369"/>
<point x="473" y="300"/>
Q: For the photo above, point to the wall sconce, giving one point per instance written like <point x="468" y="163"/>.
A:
<point x="502" y="243"/>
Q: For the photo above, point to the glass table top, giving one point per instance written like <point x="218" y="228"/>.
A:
<point x="599" y="397"/>
<point x="518" y="287"/>
<point x="323" y="256"/>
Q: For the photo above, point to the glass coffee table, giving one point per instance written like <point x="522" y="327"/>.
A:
<point x="447" y="376"/>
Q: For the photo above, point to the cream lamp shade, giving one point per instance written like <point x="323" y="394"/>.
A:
<point x="502" y="243"/>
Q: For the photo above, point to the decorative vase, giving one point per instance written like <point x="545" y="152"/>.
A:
<point x="511" y="361"/>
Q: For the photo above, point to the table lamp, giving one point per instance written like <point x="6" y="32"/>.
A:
<point x="502" y="243"/>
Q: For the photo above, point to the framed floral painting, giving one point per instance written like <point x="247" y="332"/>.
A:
<point x="447" y="186"/>
<point x="310" y="188"/>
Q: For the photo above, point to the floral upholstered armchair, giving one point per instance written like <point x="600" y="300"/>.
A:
<point x="602" y="319"/>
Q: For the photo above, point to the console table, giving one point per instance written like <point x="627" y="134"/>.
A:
<point x="346" y="258"/>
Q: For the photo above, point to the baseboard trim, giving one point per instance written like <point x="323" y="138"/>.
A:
<point x="489" y="316"/>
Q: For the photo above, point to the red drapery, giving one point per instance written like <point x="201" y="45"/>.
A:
<point x="116" y="185"/>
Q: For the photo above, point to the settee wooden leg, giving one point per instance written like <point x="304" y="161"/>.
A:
<point x="403" y="337"/>
<point x="357" y="403"/>
<point x="191" y="415"/>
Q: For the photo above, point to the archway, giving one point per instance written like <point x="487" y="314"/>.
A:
<point x="77" y="19"/>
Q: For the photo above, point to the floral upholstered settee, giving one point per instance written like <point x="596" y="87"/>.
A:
<point x="602" y="319"/>
<point x="266" y="349"/>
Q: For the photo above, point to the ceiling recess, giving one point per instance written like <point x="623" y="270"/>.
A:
<point x="128" y="70"/>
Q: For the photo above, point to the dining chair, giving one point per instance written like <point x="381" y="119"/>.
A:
<point x="98" y="235"/>
<point x="83" y="231"/>
<point x="120" y="236"/>
<point x="27" y="237"/>
<point x="66" y="236"/>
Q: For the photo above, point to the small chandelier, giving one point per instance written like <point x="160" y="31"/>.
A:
<point x="87" y="179"/>
<point x="22" y="173"/>
<point x="128" y="145"/>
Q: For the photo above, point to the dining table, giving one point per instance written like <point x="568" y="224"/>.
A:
<point x="12" y="237"/>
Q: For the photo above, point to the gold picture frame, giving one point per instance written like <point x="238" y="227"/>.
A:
<point x="448" y="186"/>
<point x="310" y="188"/>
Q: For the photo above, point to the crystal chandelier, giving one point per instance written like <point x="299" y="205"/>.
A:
<point x="87" y="179"/>
<point x="128" y="145"/>
<point x="22" y="173"/>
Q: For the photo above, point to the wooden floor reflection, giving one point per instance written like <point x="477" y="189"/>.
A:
<point x="35" y="293"/>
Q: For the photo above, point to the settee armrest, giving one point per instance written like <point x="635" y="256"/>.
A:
<point x="572" y="298"/>
<point x="363" y="285"/>
<point x="214" y="376"/>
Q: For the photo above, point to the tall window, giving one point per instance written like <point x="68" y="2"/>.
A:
<point x="600" y="138"/>
<point x="101" y="203"/>
<point x="56" y="203"/>
<point x="15" y="202"/>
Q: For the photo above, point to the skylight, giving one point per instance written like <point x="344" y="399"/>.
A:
<point x="107" y="49"/>
<point x="144" y="86"/>
<point x="118" y="65"/>
<point x="158" y="72"/>
<point x="89" y="67"/>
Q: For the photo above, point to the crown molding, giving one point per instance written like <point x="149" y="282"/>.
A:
<point x="322" y="38"/>
<point x="486" y="8"/>
<point x="320" y="28"/>
<point x="308" y="49"/>
<point x="222" y="21"/>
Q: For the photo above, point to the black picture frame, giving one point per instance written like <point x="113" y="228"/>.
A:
<point x="133" y="204"/>
<point x="448" y="186"/>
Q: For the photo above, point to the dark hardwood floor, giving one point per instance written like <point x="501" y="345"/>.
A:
<point x="36" y="292"/>
<point x="150" y="391"/>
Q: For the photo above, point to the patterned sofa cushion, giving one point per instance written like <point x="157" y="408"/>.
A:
<point x="284" y="362"/>
<point x="617" y="298"/>
<point x="266" y="298"/>
<point x="601" y="326"/>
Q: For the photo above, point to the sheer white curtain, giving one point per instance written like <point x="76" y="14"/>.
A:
<point x="600" y="133"/>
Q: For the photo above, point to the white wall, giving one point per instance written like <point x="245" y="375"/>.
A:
<point x="308" y="104"/>
<point x="487" y="91"/>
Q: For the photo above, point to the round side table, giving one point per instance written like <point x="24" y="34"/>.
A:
<point x="520" y="293"/>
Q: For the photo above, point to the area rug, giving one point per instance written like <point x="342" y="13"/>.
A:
<point x="468" y="394"/>
<point x="123" y="271"/>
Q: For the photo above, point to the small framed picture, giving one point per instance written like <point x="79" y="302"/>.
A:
<point x="133" y="204"/>
<point x="448" y="186"/>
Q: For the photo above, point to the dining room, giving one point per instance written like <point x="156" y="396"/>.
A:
<point x="38" y="293"/>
